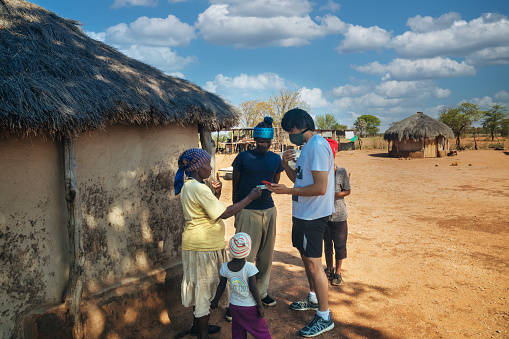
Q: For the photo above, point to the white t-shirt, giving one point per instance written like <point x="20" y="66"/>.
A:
<point x="239" y="284"/>
<point x="316" y="155"/>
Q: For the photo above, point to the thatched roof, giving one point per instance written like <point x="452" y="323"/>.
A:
<point x="417" y="127"/>
<point x="56" y="80"/>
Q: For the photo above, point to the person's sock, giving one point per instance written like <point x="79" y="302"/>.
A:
<point x="312" y="297"/>
<point x="325" y="314"/>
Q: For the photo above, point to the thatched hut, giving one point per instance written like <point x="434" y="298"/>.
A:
<point x="88" y="145"/>
<point x="418" y="136"/>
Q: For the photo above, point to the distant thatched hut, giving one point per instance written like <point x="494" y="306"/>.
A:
<point x="418" y="136"/>
<point x="89" y="140"/>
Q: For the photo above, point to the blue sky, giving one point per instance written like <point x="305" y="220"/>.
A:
<point x="348" y="58"/>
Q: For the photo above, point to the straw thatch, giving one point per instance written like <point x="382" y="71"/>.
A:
<point x="417" y="127"/>
<point x="55" y="80"/>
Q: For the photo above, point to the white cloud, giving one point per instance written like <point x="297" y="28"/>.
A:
<point x="421" y="24"/>
<point x="313" y="97"/>
<point x="361" y="39"/>
<point x="162" y="58"/>
<point x="330" y="6"/>
<point x="96" y="36"/>
<point x="489" y="56"/>
<point x="350" y="90"/>
<point x="460" y="39"/>
<point x="122" y="3"/>
<point x="266" y="8"/>
<point x="219" y="25"/>
<point x="411" y="89"/>
<point x="502" y="96"/>
<point x="259" y="82"/>
<point x="176" y="74"/>
<point x="151" y="31"/>
<point x="404" y="69"/>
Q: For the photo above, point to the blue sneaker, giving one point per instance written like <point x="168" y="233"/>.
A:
<point x="317" y="327"/>
<point x="304" y="305"/>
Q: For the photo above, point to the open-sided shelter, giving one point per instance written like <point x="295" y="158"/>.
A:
<point x="89" y="141"/>
<point x="418" y="136"/>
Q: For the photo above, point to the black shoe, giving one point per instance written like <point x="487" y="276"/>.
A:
<point x="228" y="315"/>
<point x="211" y="329"/>
<point x="268" y="301"/>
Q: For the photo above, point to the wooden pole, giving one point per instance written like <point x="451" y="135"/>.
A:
<point x="74" y="288"/>
<point x="208" y="145"/>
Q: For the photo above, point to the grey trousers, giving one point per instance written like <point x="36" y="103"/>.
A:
<point x="261" y="227"/>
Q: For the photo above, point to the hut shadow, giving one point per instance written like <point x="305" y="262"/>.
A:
<point x="289" y="283"/>
<point x="380" y="155"/>
<point x="506" y="153"/>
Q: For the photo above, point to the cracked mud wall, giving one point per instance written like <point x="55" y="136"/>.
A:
<point x="33" y="232"/>
<point x="132" y="222"/>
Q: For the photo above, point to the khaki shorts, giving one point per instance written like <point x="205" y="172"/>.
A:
<point x="201" y="277"/>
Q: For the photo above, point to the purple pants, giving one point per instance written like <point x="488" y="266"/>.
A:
<point x="245" y="319"/>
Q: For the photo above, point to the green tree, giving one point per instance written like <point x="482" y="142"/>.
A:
<point x="367" y="124"/>
<point x="493" y="119"/>
<point x="328" y="121"/>
<point x="460" y="118"/>
<point x="504" y="128"/>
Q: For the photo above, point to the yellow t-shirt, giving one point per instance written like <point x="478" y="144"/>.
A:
<point x="204" y="231"/>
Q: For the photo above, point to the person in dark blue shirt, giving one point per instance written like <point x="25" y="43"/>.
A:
<point x="258" y="219"/>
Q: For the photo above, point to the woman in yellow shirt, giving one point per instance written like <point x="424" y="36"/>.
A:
<point x="203" y="245"/>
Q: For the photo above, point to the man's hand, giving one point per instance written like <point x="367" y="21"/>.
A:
<point x="288" y="155"/>
<point x="279" y="189"/>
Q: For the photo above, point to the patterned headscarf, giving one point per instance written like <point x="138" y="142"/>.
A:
<point x="240" y="245"/>
<point x="190" y="160"/>
<point x="264" y="129"/>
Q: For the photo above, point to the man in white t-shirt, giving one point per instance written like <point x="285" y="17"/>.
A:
<point x="313" y="203"/>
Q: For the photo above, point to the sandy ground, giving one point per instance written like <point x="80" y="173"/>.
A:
<point x="428" y="251"/>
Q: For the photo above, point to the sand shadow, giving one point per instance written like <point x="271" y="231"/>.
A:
<point x="380" y="155"/>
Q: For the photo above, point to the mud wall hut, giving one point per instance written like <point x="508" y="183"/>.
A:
<point x="418" y="136"/>
<point x="89" y="140"/>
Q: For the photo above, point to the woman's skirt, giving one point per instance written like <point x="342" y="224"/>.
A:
<point x="201" y="277"/>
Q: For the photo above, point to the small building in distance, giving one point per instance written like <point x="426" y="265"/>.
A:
<point x="418" y="136"/>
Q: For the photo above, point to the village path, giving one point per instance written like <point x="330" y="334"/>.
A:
<point x="428" y="252"/>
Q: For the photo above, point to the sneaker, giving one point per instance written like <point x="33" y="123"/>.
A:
<point x="211" y="329"/>
<point x="317" y="327"/>
<point x="268" y="301"/>
<point x="304" y="305"/>
<point x="337" y="279"/>
<point x="228" y="315"/>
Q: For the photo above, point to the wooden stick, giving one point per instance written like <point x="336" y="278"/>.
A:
<point x="74" y="288"/>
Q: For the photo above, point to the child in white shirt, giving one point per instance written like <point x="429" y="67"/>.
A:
<point x="245" y="303"/>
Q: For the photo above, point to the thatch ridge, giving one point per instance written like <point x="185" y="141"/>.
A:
<point x="417" y="127"/>
<point x="55" y="80"/>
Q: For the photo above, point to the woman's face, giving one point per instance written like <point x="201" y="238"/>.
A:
<point x="205" y="170"/>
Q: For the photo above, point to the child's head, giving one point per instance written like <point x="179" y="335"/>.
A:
<point x="240" y="245"/>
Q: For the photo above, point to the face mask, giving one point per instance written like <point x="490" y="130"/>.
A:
<point x="298" y="139"/>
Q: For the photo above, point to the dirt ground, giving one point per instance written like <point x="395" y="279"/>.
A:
<point x="428" y="251"/>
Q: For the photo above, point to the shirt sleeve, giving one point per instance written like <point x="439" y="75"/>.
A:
<point x="237" y="163"/>
<point x="209" y="202"/>
<point x="252" y="270"/>
<point x="222" y="270"/>
<point x="319" y="156"/>
<point x="345" y="182"/>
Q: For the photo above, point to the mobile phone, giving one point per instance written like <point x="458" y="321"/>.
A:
<point x="266" y="182"/>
